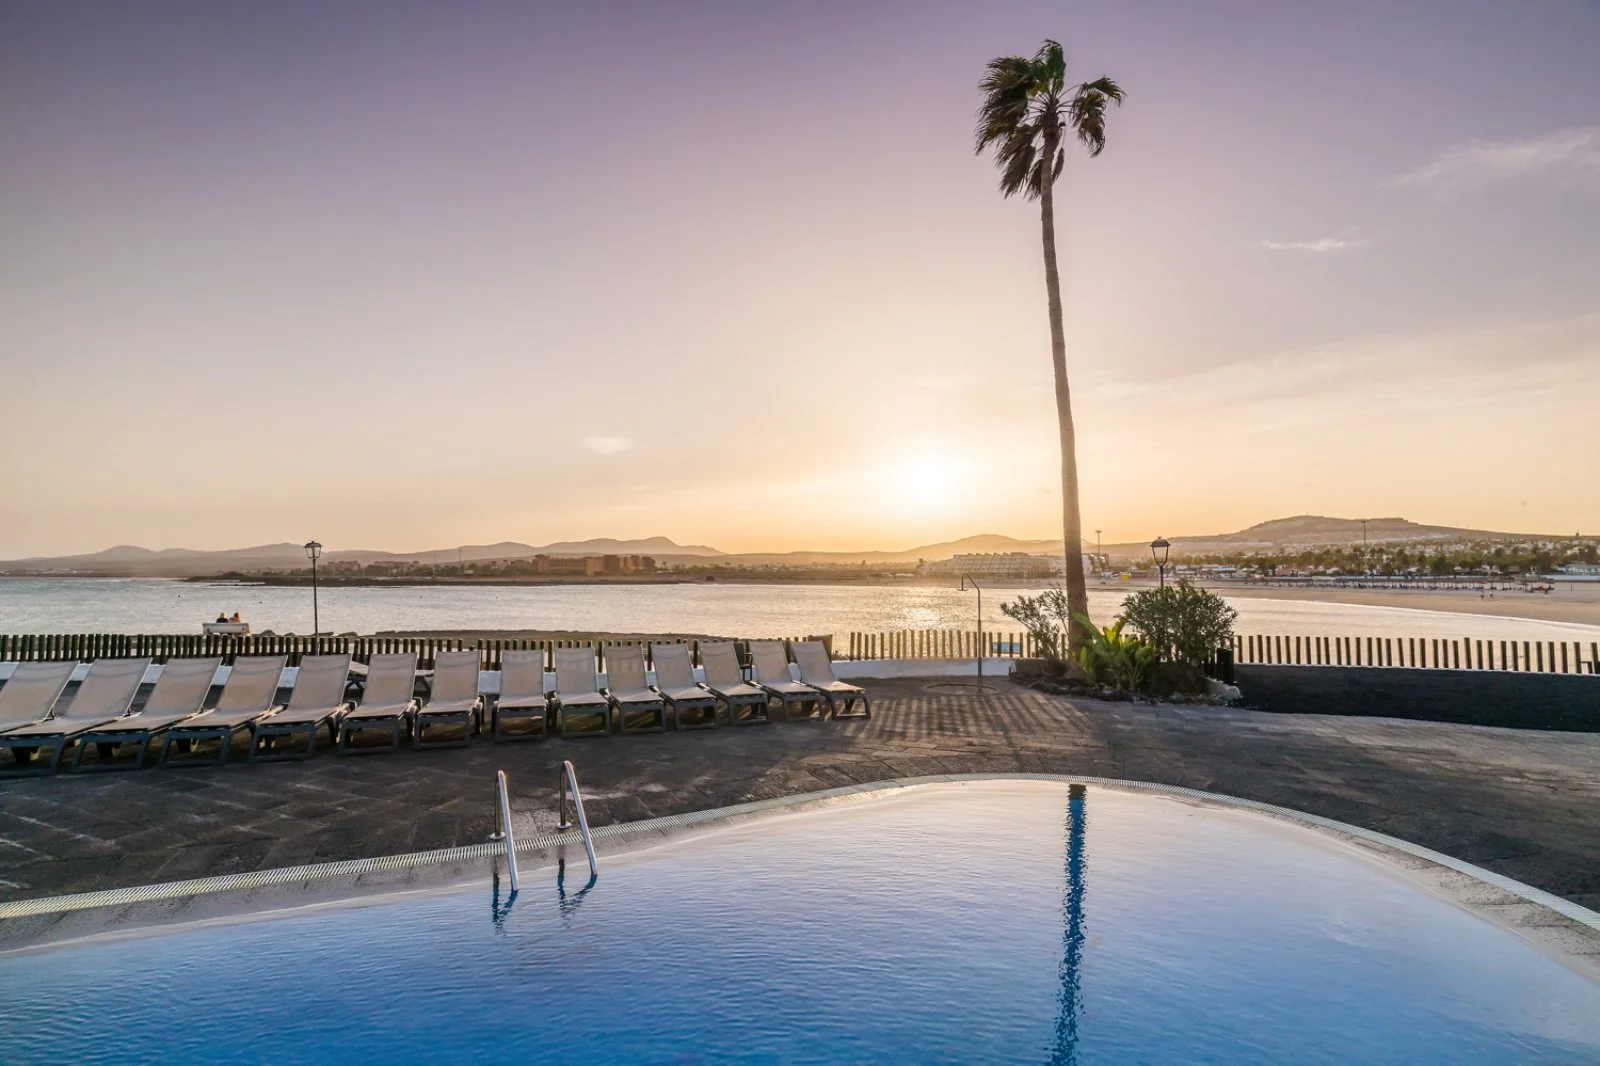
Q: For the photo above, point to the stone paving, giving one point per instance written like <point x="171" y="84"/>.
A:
<point x="1520" y="802"/>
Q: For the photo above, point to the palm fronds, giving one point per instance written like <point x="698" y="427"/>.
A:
<point x="1027" y="108"/>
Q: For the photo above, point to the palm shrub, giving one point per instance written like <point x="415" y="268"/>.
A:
<point x="1184" y="623"/>
<point x="1108" y="656"/>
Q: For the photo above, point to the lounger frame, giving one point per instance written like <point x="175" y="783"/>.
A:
<point x="753" y="699"/>
<point x="787" y="690"/>
<point x="683" y="697"/>
<point x="582" y="698"/>
<point x="469" y="717"/>
<point x="524" y="706"/>
<point x="61" y="731"/>
<point x="220" y="723"/>
<point x="138" y="728"/>
<point x="626" y="662"/>
<point x="364" y="718"/>
<point x="268" y="737"/>
<point x="816" y="671"/>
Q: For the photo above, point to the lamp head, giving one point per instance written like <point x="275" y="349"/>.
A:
<point x="1159" y="550"/>
<point x="313" y="550"/>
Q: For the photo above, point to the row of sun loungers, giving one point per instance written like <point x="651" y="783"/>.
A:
<point x="98" y="715"/>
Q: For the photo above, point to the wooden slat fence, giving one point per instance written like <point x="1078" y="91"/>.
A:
<point x="1559" y="657"/>
<point x="1425" y="653"/>
<point x="85" y="647"/>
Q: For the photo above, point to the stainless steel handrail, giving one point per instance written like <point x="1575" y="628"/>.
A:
<point x="569" y="780"/>
<point x="505" y="829"/>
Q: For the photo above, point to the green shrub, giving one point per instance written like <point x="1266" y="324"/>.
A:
<point x="1110" y="657"/>
<point x="1045" y="618"/>
<point x="1185" y="624"/>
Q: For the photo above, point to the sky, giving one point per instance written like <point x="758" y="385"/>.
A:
<point x="401" y="275"/>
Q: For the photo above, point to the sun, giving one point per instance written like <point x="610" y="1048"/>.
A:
<point x="922" y="485"/>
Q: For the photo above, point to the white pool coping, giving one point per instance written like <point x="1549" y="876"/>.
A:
<point x="626" y="832"/>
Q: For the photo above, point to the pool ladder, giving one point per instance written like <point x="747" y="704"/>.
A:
<point x="569" y="784"/>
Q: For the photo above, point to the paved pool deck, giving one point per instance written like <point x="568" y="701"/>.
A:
<point x="1522" y="803"/>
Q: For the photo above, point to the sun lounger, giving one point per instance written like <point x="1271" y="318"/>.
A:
<point x="628" y="689"/>
<point x="770" y="665"/>
<point x="104" y="696"/>
<point x="522" y="696"/>
<point x="746" y="704"/>
<point x="693" y="707"/>
<point x="816" y="670"/>
<point x="179" y="694"/>
<point x="28" y="696"/>
<point x="386" y="703"/>
<point x="317" y="701"/>
<point x="578" y="692"/>
<point x="247" y="697"/>
<point x="453" y="700"/>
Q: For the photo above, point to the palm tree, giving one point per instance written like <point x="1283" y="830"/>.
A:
<point x="1028" y="112"/>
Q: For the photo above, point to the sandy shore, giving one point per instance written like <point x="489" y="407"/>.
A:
<point x="1580" y="603"/>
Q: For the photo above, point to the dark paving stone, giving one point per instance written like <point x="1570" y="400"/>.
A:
<point x="1526" y="804"/>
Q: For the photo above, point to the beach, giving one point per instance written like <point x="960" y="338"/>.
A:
<point x="1570" y="603"/>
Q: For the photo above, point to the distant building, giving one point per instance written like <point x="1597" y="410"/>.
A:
<point x="593" y="565"/>
<point x="998" y="564"/>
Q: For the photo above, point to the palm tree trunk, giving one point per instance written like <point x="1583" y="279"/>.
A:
<point x="1071" y="524"/>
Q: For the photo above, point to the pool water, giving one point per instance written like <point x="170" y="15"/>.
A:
<point x="989" y="922"/>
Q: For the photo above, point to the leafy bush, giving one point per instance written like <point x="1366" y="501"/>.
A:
<point x="1183" y="623"/>
<point x="1108" y="657"/>
<point x="1045" y="618"/>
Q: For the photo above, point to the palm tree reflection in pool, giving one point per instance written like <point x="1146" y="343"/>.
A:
<point x="1065" y="1052"/>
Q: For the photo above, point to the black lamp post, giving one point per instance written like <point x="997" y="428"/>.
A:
<point x="1159" y="550"/>
<point x="967" y="579"/>
<point x="314" y="552"/>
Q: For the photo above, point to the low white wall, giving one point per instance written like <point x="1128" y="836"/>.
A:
<point x="884" y="668"/>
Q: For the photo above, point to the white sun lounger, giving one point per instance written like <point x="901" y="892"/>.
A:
<point x="522" y="695"/>
<point x="693" y="706"/>
<point x="386" y="703"/>
<point x="247" y="697"/>
<point x="179" y="694"/>
<point x="316" y="701"/>
<point x="816" y="670"/>
<point x="104" y="696"/>
<point x="628" y="689"/>
<point x="30" y="693"/>
<point x="746" y="704"/>
<point x="578" y="692"/>
<point x="771" y="668"/>
<point x="454" y="700"/>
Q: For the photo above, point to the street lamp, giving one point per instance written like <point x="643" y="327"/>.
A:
<point x="1159" y="550"/>
<point x="314" y="552"/>
<point x="967" y="579"/>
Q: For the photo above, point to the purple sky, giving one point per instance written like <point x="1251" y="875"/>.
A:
<point x="406" y="275"/>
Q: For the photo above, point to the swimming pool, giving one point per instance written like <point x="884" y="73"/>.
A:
<point x="983" y="922"/>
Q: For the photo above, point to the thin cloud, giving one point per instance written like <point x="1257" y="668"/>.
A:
<point x="1569" y="153"/>
<point x="1321" y="244"/>
<point x="608" y="445"/>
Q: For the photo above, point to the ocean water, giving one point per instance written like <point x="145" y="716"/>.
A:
<point x="147" y="605"/>
<point x="996" y="922"/>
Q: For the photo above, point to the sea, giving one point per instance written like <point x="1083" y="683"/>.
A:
<point x="154" y="605"/>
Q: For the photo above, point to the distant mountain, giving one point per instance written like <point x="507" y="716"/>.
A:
<point x="1278" y="534"/>
<point x="1315" y="531"/>
<point x="130" y="561"/>
<point x="983" y="542"/>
